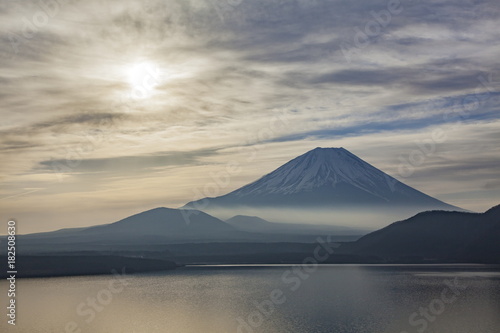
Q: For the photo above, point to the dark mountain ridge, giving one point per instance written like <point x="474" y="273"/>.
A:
<point x="436" y="236"/>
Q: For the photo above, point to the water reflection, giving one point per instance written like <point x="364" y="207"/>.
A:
<point x="279" y="299"/>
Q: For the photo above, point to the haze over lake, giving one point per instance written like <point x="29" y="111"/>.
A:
<point x="219" y="299"/>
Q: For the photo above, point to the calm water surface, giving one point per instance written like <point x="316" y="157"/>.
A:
<point x="336" y="298"/>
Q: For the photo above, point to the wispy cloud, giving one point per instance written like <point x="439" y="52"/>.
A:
<point x="225" y="71"/>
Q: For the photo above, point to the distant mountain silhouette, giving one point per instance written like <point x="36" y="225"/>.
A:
<point x="155" y="228"/>
<point x="324" y="177"/>
<point x="166" y="222"/>
<point x="159" y="224"/>
<point x="436" y="235"/>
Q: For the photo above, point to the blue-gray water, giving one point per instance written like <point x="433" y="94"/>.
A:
<point x="336" y="298"/>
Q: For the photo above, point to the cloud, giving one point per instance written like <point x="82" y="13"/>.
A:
<point x="128" y="164"/>
<point x="492" y="185"/>
<point x="228" y="70"/>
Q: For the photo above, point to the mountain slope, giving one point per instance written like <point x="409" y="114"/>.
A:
<point x="436" y="235"/>
<point x="158" y="222"/>
<point x="325" y="177"/>
<point x="166" y="222"/>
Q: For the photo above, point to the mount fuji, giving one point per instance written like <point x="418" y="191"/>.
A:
<point x="325" y="178"/>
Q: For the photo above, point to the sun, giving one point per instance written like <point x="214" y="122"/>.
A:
<point x="143" y="78"/>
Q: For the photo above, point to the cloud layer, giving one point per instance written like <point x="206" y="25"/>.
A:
<point x="253" y="81"/>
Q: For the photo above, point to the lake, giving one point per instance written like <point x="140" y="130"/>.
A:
<point x="330" y="298"/>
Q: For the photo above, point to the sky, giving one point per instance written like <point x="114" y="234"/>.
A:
<point x="109" y="108"/>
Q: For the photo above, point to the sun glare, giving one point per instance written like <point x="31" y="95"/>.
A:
<point x="143" y="78"/>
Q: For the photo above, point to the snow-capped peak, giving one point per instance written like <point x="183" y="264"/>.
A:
<point x="316" y="168"/>
<point x="325" y="177"/>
